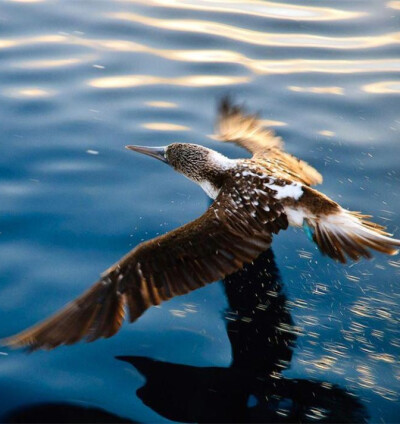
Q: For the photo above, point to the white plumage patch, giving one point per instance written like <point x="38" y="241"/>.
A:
<point x="209" y="188"/>
<point x="221" y="160"/>
<point x="293" y="190"/>
<point x="295" y="216"/>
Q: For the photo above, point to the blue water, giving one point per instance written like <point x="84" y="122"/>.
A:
<point x="80" y="79"/>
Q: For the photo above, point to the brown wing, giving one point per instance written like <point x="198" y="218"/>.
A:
<point x="235" y="126"/>
<point x="231" y="232"/>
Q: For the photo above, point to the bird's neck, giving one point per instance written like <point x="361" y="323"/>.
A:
<point x="210" y="188"/>
<point x="210" y="174"/>
<point x="215" y="174"/>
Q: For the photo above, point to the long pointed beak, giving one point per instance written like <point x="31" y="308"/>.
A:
<point x="155" y="152"/>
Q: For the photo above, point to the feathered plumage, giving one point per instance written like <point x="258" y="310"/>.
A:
<point x="254" y="198"/>
<point x="247" y="131"/>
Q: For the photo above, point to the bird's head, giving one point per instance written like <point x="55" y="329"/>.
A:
<point x="198" y="163"/>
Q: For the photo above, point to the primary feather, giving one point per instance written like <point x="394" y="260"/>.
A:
<point x="246" y="130"/>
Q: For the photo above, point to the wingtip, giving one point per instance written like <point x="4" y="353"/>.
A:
<point x="11" y="343"/>
<point x="7" y="341"/>
<point x="227" y="106"/>
<point x="224" y="105"/>
<point x="123" y="358"/>
<point x="319" y="179"/>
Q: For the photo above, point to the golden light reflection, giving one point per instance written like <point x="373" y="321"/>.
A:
<point x="201" y="56"/>
<point x="383" y="87"/>
<point x="325" y="363"/>
<point x="164" y="126"/>
<point x="272" y="123"/>
<point x="383" y="357"/>
<point x="326" y="66"/>
<point x="222" y="56"/>
<point x="161" y="104"/>
<point x="317" y="90"/>
<point x="260" y="38"/>
<point x="29" y="92"/>
<point x="126" y="81"/>
<point x="393" y="5"/>
<point x="257" y="66"/>
<point x="41" y="64"/>
<point x="366" y="378"/>
<point x="387" y="394"/>
<point x="326" y="133"/>
<point x="265" y="9"/>
<point x="362" y="309"/>
<point x="45" y="39"/>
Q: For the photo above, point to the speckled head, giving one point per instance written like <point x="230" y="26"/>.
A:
<point x="198" y="163"/>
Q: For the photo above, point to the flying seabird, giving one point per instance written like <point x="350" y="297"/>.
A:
<point x="253" y="199"/>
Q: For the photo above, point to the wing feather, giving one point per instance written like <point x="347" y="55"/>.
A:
<point x="205" y="250"/>
<point x="247" y="131"/>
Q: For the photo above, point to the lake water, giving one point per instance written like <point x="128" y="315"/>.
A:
<point x="79" y="80"/>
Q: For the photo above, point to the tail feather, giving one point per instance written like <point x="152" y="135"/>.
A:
<point x="350" y="234"/>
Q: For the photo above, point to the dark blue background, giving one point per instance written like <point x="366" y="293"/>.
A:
<point x="80" y="77"/>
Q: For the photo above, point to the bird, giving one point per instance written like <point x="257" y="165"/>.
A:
<point x="253" y="199"/>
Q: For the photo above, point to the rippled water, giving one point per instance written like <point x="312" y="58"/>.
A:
<point x="79" y="80"/>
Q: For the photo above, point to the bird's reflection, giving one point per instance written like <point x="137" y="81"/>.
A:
<point x="252" y="389"/>
<point x="61" y="413"/>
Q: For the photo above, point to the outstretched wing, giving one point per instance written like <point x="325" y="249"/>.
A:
<point x="235" y="126"/>
<point x="231" y="232"/>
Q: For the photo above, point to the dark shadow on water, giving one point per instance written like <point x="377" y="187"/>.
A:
<point x="252" y="389"/>
<point x="62" y="413"/>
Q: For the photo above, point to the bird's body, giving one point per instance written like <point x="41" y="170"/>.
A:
<point x="253" y="199"/>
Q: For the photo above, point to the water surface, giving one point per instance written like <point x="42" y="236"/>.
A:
<point x="79" y="80"/>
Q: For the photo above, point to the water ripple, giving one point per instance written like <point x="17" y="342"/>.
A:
<point x="29" y="92"/>
<point x="266" y="9"/>
<point x="261" y="38"/>
<point x="164" y="126"/>
<point x="124" y="81"/>
<point x="258" y="66"/>
<point x="79" y="80"/>
<point x="383" y="87"/>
